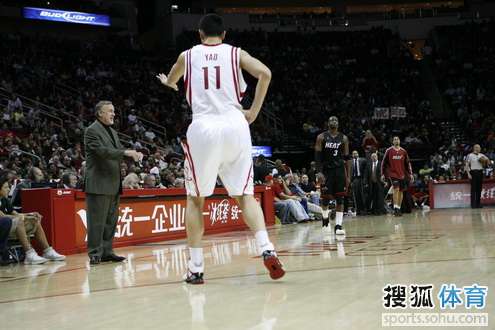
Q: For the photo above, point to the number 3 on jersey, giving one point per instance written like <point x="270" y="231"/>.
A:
<point x="217" y="76"/>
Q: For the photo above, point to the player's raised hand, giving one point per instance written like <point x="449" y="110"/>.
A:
<point x="164" y="80"/>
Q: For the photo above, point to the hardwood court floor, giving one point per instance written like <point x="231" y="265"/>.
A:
<point x="328" y="285"/>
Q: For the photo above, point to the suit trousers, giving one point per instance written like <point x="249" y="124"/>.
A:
<point x="358" y="194"/>
<point x="476" y="187"/>
<point x="102" y="217"/>
<point x="376" y="198"/>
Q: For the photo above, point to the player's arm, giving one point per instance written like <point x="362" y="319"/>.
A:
<point x="348" y="161"/>
<point x="175" y="73"/>
<point x="408" y="167"/>
<point x="318" y="155"/>
<point x="384" y="164"/>
<point x="261" y="72"/>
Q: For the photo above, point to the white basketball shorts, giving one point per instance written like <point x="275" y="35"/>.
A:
<point x="218" y="146"/>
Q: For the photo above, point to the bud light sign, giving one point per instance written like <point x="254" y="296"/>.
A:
<point x="65" y="16"/>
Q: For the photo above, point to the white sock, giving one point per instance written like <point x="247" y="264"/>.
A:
<point x="196" y="264"/>
<point x="31" y="251"/>
<point x="396" y="206"/>
<point x="263" y="241"/>
<point x="325" y="213"/>
<point x="339" y="217"/>
<point x="340" y="250"/>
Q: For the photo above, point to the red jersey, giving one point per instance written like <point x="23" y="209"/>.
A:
<point x="396" y="164"/>
<point x="277" y="189"/>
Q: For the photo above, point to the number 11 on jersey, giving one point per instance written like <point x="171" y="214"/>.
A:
<point x="217" y="76"/>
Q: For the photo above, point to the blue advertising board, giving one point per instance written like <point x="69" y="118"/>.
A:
<point x="261" y="150"/>
<point x="74" y="17"/>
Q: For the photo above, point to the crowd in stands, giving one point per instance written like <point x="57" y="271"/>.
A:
<point x="463" y="66"/>
<point x="70" y="77"/>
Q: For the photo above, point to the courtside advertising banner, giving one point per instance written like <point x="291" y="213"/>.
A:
<point x="74" y="17"/>
<point x="453" y="195"/>
<point x="140" y="219"/>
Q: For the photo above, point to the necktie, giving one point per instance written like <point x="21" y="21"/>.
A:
<point x="354" y="172"/>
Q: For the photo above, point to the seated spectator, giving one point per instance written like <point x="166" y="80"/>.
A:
<point x="149" y="181"/>
<point x="293" y="184"/>
<point x="179" y="183"/>
<point x="426" y="170"/>
<point x="310" y="188"/>
<point x="35" y="176"/>
<point x="69" y="180"/>
<point x="5" y="225"/>
<point x="23" y="226"/>
<point x="167" y="178"/>
<point x="131" y="181"/>
<point x="284" y="199"/>
<point x="312" y="172"/>
<point x="82" y="172"/>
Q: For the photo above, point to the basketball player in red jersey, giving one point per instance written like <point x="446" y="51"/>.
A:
<point x="218" y="139"/>
<point x="396" y="167"/>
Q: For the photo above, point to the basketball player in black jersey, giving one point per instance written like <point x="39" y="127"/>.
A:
<point x="333" y="160"/>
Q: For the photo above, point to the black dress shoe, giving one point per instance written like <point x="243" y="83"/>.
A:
<point x="94" y="260"/>
<point x="113" y="258"/>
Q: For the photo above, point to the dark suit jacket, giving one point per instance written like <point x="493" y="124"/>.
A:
<point x="361" y="164"/>
<point x="378" y="169"/>
<point x="103" y="159"/>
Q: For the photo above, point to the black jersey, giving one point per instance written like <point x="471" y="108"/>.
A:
<point x="332" y="150"/>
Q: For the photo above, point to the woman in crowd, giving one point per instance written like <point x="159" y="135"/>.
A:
<point x="23" y="226"/>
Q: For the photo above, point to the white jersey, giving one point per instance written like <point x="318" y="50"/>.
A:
<point x="213" y="79"/>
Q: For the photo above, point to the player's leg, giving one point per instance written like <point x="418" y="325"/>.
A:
<point x="236" y="172"/>
<point x="195" y="230"/>
<point x="325" y="206"/>
<point x="400" y="199"/>
<point x="254" y="218"/>
<point x="339" y="215"/>
<point x="396" y="198"/>
<point x="241" y="188"/>
<point x="397" y="203"/>
<point x="330" y="185"/>
<point x="201" y="165"/>
<point x="339" y="197"/>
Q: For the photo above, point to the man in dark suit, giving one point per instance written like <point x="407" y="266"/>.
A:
<point x="102" y="183"/>
<point x="358" y="167"/>
<point x="373" y="174"/>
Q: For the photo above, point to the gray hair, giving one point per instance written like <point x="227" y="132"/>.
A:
<point x="99" y="106"/>
<point x="130" y="181"/>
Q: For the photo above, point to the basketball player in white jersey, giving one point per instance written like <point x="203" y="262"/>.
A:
<point x="218" y="139"/>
